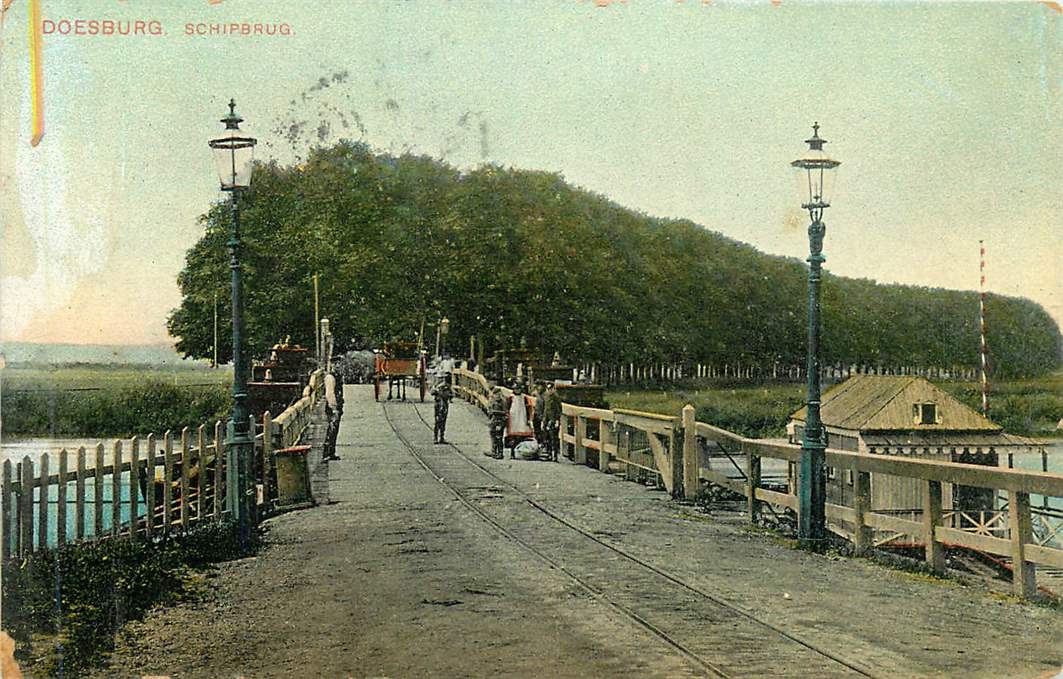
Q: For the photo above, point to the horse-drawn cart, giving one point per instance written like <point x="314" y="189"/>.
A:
<point x="398" y="363"/>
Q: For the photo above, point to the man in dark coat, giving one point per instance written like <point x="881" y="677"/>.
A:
<point x="443" y="393"/>
<point x="498" y="415"/>
<point x="552" y="420"/>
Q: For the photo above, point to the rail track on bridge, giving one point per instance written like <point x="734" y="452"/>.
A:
<point x="717" y="637"/>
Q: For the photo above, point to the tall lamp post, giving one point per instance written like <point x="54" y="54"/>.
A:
<point x="233" y="154"/>
<point x="442" y="328"/>
<point x="812" y="483"/>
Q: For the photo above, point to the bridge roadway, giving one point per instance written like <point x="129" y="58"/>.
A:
<point x="435" y="560"/>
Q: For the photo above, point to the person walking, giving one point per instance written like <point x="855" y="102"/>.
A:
<point x="498" y="415"/>
<point x="443" y="393"/>
<point x="552" y="420"/>
<point x="537" y="412"/>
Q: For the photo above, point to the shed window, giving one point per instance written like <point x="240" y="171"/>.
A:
<point x="925" y="413"/>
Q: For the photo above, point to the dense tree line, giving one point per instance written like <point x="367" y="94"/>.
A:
<point x="508" y="254"/>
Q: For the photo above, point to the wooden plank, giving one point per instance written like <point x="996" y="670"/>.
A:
<point x="935" y="551"/>
<point x="167" y="481"/>
<point x="219" y="467"/>
<point x="1023" y="575"/>
<point x="893" y="523"/>
<point x="839" y="512"/>
<point x="149" y="488"/>
<point x="42" y="503"/>
<point x="962" y="538"/>
<point x="134" y="486"/>
<point x="25" y="508"/>
<point x="79" y="493"/>
<point x="116" y="489"/>
<point x="861" y="506"/>
<point x="201" y="456"/>
<point x="60" y="499"/>
<point x="97" y="493"/>
<point x="729" y="440"/>
<point x="185" y="455"/>
<point x="6" y="532"/>
<point x="691" y="483"/>
<point x="776" y="451"/>
<point x="1030" y="482"/>
<point x="721" y="479"/>
<point x="776" y="498"/>
<point x="1047" y="556"/>
<point x="661" y="461"/>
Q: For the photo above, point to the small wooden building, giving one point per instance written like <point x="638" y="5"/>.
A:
<point x="909" y="416"/>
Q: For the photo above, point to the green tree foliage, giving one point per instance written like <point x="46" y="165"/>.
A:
<point x="508" y="254"/>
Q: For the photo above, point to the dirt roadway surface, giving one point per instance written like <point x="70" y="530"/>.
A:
<point x="554" y="570"/>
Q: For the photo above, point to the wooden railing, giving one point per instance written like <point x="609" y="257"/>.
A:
<point x="146" y="486"/>
<point x="674" y="448"/>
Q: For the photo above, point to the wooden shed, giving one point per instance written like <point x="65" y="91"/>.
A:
<point x="909" y="416"/>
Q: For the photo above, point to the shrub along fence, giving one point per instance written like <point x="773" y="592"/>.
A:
<point x="674" y="452"/>
<point x="148" y="487"/>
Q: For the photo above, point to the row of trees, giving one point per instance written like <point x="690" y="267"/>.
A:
<point x="509" y="254"/>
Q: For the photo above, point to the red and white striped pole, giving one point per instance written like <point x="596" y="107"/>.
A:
<point x="985" y="347"/>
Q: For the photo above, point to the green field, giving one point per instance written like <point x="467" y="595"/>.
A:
<point x="109" y="400"/>
<point x="1027" y="407"/>
<point x="81" y="376"/>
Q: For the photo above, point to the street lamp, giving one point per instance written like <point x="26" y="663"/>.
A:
<point x="233" y="154"/>
<point x="812" y="482"/>
<point x="442" y="328"/>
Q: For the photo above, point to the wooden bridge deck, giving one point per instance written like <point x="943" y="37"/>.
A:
<point x="435" y="560"/>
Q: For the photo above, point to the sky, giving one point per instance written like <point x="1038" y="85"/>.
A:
<point x="946" y="118"/>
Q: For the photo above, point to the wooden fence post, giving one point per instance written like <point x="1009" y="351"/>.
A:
<point x="167" y="481"/>
<point x="201" y="469"/>
<point x="935" y="551"/>
<point x="42" y="503"/>
<point x="185" y="455"/>
<point x="605" y="438"/>
<point x="752" y="483"/>
<point x="861" y="506"/>
<point x="219" y="467"/>
<point x="691" y="482"/>
<point x="5" y="509"/>
<point x="267" y="458"/>
<point x="134" y="486"/>
<point x="97" y="493"/>
<point x="149" y="488"/>
<point x="79" y="491"/>
<point x="1023" y="575"/>
<point x="60" y="500"/>
<point x="25" y="507"/>
<point x="579" y="453"/>
<point x="116" y="490"/>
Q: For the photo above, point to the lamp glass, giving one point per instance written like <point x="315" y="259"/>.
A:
<point x="233" y="156"/>
<point x="817" y="173"/>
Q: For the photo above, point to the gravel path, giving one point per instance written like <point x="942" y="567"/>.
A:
<point x="438" y="561"/>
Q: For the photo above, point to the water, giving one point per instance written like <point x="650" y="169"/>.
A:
<point x="1032" y="461"/>
<point x="16" y="449"/>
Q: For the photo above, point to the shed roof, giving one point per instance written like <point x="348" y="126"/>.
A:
<point x="885" y="403"/>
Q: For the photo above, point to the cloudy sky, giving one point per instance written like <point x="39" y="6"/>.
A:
<point x="946" y="117"/>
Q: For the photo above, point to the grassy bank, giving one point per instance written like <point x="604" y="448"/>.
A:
<point x="63" y="607"/>
<point x="102" y="401"/>
<point x="1026" y="407"/>
<point x="757" y="411"/>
